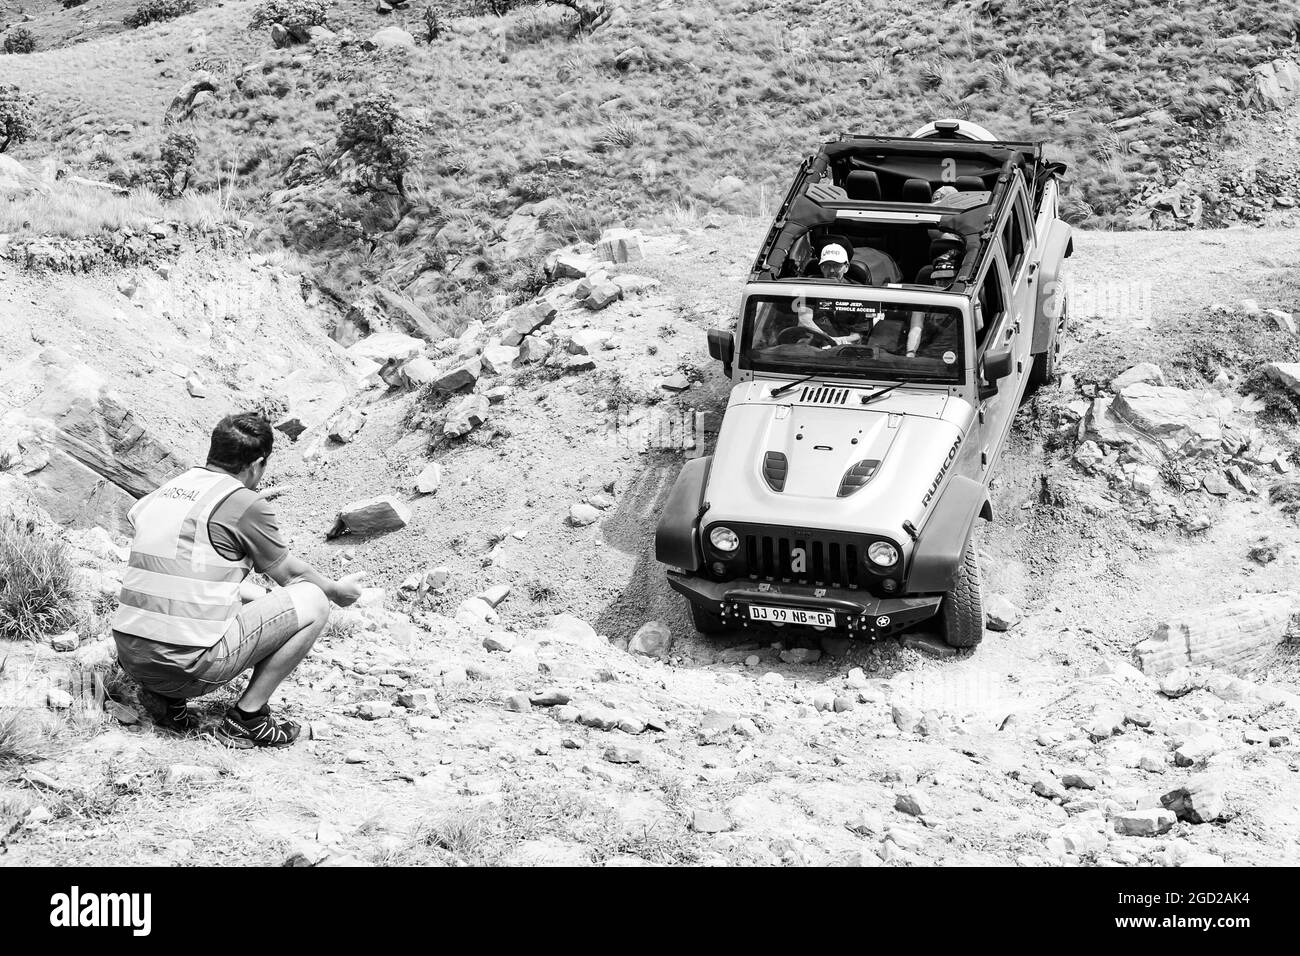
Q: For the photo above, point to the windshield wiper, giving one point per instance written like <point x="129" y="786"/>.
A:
<point x="777" y="392"/>
<point x="868" y="399"/>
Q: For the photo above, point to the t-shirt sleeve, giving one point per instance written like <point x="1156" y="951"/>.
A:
<point x="244" y="525"/>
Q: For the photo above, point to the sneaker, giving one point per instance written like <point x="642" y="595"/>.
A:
<point x="169" y="713"/>
<point x="259" y="730"/>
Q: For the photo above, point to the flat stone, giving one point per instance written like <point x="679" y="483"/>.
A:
<point x="913" y="803"/>
<point x="1144" y="823"/>
<point x="1199" y="800"/>
<point x="709" y="821"/>
<point x="652" y="639"/>
<point x="372" y="516"/>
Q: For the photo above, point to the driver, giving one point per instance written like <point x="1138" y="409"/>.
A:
<point x="834" y="263"/>
<point x="826" y="328"/>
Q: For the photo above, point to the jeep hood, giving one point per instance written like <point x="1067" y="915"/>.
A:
<point x="912" y="434"/>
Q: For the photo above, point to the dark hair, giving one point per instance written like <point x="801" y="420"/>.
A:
<point x="239" y="440"/>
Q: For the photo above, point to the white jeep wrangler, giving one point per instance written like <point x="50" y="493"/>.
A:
<point x="907" y="295"/>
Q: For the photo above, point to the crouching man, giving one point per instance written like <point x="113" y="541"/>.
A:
<point x="187" y="622"/>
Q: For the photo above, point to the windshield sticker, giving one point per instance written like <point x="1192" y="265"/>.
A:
<point x="949" y="358"/>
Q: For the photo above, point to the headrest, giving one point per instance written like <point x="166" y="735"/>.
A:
<point x="863" y="185"/>
<point x="916" y="190"/>
<point x="969" y="184"/>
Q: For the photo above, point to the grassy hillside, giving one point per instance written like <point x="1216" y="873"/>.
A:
<point x="522" y="107"/>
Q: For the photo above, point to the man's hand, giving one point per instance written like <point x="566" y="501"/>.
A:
<point x="347" y="589"/>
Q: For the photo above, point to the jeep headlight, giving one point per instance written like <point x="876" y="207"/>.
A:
<point x="882" y="554"/>
<point x="724" y="539"/>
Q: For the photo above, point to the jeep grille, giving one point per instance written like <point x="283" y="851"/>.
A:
<point x="819" y="559"/>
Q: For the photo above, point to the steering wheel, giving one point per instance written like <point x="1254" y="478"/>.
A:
<point x="798" y="333"/>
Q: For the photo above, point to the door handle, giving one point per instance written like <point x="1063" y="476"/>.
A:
<point x="1009" y="334"/>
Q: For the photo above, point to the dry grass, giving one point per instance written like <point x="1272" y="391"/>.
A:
<point x="487" y="834"/>
<point x="37" y="590"/>
<point x="69" y="209"/>
<point x="20" y="735"/>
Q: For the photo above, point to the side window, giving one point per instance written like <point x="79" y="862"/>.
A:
<point x="1013" y="238"/>
<point x="992" y="302"/>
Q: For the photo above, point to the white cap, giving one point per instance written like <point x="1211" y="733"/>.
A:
<point x="834" y="252"/>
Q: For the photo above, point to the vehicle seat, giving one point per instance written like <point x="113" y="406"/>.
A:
<point x="862" y="185"/>
<point x="878" y="267"/>
<point x="917" y="190"/>
<point x="888" y="334"/>
<point x="969" y="184"/>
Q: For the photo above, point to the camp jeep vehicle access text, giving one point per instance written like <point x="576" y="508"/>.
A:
<point x="907" y="295"/>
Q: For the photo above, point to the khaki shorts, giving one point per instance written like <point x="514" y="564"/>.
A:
<point x="260" y="629"/>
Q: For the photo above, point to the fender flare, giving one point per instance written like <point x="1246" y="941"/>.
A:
<point x="942" y="541"/>
<point x="1058" y="247"/>
<point x="677" y="533"/>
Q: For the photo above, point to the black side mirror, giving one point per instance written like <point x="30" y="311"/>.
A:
<point x="722" y="346"/>
<point x="996" y="366"/>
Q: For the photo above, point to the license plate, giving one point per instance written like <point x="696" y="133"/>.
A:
<point x="791" y="615"/>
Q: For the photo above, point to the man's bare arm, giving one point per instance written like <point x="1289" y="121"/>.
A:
<point x="293" y="569"/>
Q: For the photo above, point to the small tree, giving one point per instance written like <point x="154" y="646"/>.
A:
<point x="381" y="140"/>
<point x="16" y="117"/>
<point x="294" y="15"/>
<point x="177" y="162"/>
<point x="432" y="28"/>
<point x="20" y="40"/>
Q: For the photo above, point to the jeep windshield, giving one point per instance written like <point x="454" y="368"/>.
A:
<point x="825" y="335"/>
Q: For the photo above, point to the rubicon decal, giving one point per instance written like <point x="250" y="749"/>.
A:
<point x="934" y="485"/>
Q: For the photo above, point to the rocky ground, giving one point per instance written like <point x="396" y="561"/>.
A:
<point x="520" y="686"/>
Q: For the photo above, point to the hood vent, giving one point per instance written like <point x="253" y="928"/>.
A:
<point x="775" y="468"/>
<point x="824" y="395"/>
<point x="857" y="477"/>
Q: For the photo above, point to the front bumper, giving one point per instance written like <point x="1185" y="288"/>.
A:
<point x="857" y="612"/>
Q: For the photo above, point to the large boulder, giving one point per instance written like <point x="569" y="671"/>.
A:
<point x="469" y="413"/>
<point x="405" y="314"/>
<point x="1236" y="634"/>
<point x="525" y="231"/>
<point x="1175" y="415"/>
<point x="310" y="398"/>
<point x="392" y="38"/>
<point x="385" y="347"/>
<point x="619" y="245"/>
<point x="182" y="104"/>
<point x="1273" y="84"/>
<point x="16" y="180"/>
<point x="96" y="457"/>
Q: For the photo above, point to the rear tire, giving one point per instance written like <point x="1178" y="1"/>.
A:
<point x="706" y="622"/>
<point x="961" y="615"/>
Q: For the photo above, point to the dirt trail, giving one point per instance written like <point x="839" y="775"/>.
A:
<point x="702" y="758"/>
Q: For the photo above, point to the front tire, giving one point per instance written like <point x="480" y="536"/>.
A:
<point x="706" y="622"/>
<point x="961" y="614"/>
<point x="1043" y="370"/>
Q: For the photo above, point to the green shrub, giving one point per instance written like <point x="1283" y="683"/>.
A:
<point x="156" y="11"/>
<point x="16" y="117"/>
<point x="293" y="14"/>
<point x="37" y="593"/>
<point x="381" y="139"/>
<point x="176" y="162"/>
<point x="20" y="40"/>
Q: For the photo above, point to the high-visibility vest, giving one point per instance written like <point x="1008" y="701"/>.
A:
<point x="177" y="589"/>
